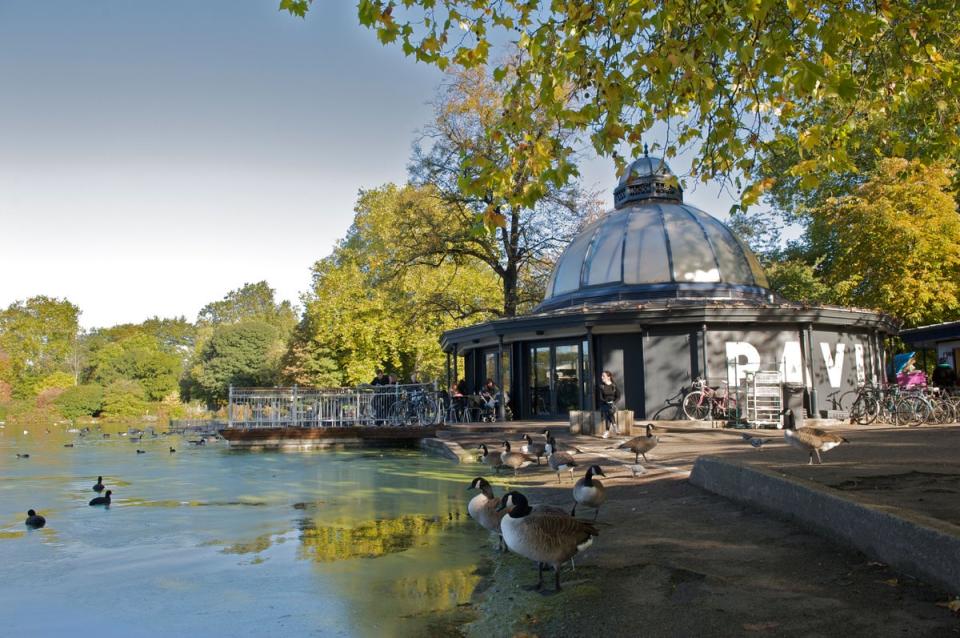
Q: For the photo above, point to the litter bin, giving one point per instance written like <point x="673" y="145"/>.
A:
<point x="793" y="403"/>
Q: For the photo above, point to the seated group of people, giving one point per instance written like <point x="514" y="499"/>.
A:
<point x="486" y="399"/>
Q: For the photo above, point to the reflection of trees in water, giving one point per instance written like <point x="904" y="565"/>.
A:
<point x="439" y="590"/>
<point x="257" y="545"/>
<point x="322" y="543"/>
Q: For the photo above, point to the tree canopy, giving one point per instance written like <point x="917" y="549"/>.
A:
<point x="734" y="81"/>
<point x="367" y="310"/>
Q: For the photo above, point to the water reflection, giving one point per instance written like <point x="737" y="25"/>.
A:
<point x="261" y="542"/>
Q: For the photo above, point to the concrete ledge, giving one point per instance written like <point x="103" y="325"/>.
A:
<point x="912" y="543"/>
<point x="448" y="449"/>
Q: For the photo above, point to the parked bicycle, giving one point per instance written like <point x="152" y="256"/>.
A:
<point x="706" y="402"/>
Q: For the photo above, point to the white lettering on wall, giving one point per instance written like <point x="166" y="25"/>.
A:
<point x="741" y="359"/>
<point x="861" y="368"/>
<point x="791" y="363"/>
<point x="834" y="364"/>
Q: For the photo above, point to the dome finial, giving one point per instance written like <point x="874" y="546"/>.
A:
<point x="646" y="150"/>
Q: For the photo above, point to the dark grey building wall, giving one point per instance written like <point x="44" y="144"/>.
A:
<point x="753" y="349"/>
<point x="622" y="355"/>
<point x="841" y="361"/>
<point x="667" y="370"/>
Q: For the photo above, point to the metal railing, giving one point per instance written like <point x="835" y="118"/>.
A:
<point x="365" y="406"/>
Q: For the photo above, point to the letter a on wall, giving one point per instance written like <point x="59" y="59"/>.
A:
<point x="791" y="365"/>
<point x="834" y="364"/>
<point x="741" y="359"/>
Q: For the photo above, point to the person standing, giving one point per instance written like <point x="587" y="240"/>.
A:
<point x="609" y="395"/>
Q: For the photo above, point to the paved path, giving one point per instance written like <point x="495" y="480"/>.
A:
<point x="674" y="560"/>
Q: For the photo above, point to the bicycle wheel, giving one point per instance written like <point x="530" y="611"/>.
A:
<point x="847" y="400"/>
<point x="696" y="406"/>
<point x="864" y="410"/>
<point x="428" y="412"/>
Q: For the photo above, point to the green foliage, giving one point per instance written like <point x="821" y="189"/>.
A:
<point x="251" y="302"/>
<point x="518" y="239"/>
<point x="38" y="337"/>
<point x="140" y="358"/>
<point x="367" y="310"/>
<point x="893" y="244"/>
<point x="728" y="78"/>
<point x="124" y="398"/>
<point x="797" y="281"/>
<point x="80" y="400"/>
<point x="243" y="354"/>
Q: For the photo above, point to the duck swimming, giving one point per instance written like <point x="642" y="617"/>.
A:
<point x="98" y="487"/>
<point x="34" y="520"/>
<point x="102" y="500"/>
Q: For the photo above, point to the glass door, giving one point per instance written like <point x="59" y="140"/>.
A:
<point x="555" y="380"/>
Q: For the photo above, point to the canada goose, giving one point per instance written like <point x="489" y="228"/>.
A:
<point x="755" y="441"/>
<point x="811" y="440"/>
<point x="514" y="460"/>
<point x="483" y="508"/>
<point x="642" y="444"/>
<point x="491" y="460"/>
<point x="34" y="520"/>
<point x="559" y="460"/>
<point x="23" y="456"/>
<point x="531" y="448"/>
<point x="102" y="500"/>
<point x="589" y="492"/>
<point x="98" y="486"/>
<point x="560" y="447"/>
<point x="544" y="536"/>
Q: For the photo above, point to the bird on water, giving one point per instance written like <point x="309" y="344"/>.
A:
<point x="34" y="520"/>
<point x="98" y="486"/>
<point x="102" y="500"/>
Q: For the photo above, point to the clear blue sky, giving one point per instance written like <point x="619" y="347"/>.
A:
<point x="154" y="155"/>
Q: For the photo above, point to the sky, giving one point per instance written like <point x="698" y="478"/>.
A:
<point x="156" y="155"/>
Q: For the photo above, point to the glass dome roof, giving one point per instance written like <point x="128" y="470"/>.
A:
<point x="653" y="246"/>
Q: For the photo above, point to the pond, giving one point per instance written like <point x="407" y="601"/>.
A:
<point x="214" y="542"/>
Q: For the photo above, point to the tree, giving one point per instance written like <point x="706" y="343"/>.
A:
<point x="365" y="311"/>
<point x="728" y="77"/>
<point x="38" y="337"/>
<point x="140" y="358"/>
<point x="243" y="354"/>
<point x="892" y="244"/>
<point x="80" y="400"/>
<point x="124" y="398"/>
<point x="249" y="302"/>
<point x="455" y="153"/>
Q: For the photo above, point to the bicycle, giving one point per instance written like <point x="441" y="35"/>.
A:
<point x="705" y="401"/>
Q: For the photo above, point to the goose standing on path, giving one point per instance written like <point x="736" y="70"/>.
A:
<point x="811" y="440"/>
<point x="490" y="460"/>
<point x="102" y="500"/>
<point x="544" y="536"/>
<point x="532" y="449"/>
<point x="559" y="460"/>
<point x="98" y="486"/>
<point x="589" y="491"/>
<point x="560" y="447"/>
<point x="514" y="460"/>
<point x="642" y="444"/>
<point x="483" y="508"/>
<point x="34" y="520"/>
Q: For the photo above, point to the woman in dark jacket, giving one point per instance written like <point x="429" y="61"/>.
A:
<point x="609" y="395"/>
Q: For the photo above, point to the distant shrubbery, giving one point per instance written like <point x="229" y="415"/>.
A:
<point x="80" y="401"/>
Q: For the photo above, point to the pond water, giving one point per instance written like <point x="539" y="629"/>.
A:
<point x="214" y="542"/>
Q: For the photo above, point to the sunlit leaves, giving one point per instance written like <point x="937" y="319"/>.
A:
<point x="727" y="78"/>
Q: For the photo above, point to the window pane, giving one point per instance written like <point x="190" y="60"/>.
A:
<point x="607" y="252"/>
<point x="693" y="261"/>
<point x="645" y="260"/>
